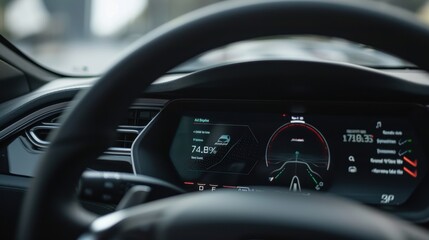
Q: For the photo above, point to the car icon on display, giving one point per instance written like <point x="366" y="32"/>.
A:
<point x="223" y="140"/>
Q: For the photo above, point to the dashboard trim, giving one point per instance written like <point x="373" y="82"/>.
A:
<point x="31" y="118"/>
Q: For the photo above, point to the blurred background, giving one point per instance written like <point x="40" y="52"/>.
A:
<point x="83" y="37"/>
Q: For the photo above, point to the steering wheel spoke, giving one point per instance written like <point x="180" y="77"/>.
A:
<point x="271" y="214"/>
<point x="132" y="223"/>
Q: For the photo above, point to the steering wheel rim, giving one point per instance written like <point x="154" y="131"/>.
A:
<point x="51" y="208"/>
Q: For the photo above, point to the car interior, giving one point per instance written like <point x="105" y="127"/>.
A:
<point x="243" y="119"/>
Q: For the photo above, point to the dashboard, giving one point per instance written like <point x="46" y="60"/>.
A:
<point x="373" y="153"/>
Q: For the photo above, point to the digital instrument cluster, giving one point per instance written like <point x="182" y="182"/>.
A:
<point x="373" y="158"/>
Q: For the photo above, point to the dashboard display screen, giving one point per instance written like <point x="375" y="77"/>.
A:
<point x="373" y="159"/>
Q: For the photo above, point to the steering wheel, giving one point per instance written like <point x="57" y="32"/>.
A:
<point x="51" y="208"/>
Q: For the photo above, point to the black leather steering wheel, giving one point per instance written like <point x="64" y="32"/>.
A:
<point x="51" y="209"/>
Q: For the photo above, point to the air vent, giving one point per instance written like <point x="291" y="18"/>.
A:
<point x="39" y="135"/>
<point x="125" y="138"/>
<point x="128" y="130"/>
<point x="42" y="133"/>
<point x="139" y="117"/>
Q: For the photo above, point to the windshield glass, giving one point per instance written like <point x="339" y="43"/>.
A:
<point x="84" y="37"/>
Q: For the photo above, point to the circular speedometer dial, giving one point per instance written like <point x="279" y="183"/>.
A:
<point x="297" y="156"/>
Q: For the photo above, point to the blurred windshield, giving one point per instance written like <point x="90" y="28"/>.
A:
<point x="84" y="37"/>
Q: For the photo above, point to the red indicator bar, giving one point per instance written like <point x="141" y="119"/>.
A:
<point x="188" y="183"/>
<point x="412" y="163"/>
<point x="226" y="186"/>
<point x="412" y="174"/>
